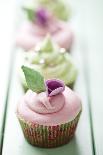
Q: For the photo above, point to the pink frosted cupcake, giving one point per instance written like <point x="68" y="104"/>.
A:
<point x="43" y="20"/>
<point x="48" y="112"/>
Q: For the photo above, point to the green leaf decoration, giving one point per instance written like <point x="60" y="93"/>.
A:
<point x="35" y="81"/>
<point x="30" y="13"/>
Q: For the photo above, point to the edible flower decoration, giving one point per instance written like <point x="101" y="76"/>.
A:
<point x="40" y="16"/>
<point x="36" y="83"/>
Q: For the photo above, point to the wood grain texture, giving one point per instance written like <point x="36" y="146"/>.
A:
<point x="94" y="59"/>
<point x="6" y="42"/>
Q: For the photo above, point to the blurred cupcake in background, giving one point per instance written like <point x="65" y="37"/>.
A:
<point x="49" y="111"/>
<point x="51" y="61"/>
<point x="43" y="17"/>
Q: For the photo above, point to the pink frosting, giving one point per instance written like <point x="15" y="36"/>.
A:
<point x="44" y="110"/>
<point x="31" y="34"/>
<point x="40" y="103"/>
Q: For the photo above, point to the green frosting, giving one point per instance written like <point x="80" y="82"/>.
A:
<point x="52" y="62"/>
<point x="57" y="7"/>
<point x="47" y="45"/>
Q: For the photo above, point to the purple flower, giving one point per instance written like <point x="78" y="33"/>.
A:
<point x="42" y="16"/>
<point x="54" y="87"/>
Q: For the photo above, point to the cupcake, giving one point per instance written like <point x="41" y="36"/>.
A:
<point x="49" y="111"/>
<point x="51" y="61"/>
<point x="45" y="16"/>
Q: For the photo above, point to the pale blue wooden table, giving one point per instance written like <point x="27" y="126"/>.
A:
<point x="87" y="23"/>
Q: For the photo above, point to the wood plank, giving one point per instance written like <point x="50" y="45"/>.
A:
<point x="6" y="42"/>
<point x="81" y="144"/>
<point x="94" y="58"/>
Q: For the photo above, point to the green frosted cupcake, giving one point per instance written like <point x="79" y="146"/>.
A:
<point x="52" y="62"/>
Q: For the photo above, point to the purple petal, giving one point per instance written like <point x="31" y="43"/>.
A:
<point x="54" y="87"/>
<point x="42" y="16"/>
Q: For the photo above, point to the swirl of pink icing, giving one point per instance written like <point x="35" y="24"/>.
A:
<point x="67" y="105"/>
<point x="42" y="104"/>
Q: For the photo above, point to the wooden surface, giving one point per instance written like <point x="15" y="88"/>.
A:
<point x="94" y="35"/>
<point x="6" y="42"/>
<point x="88" y="54"/>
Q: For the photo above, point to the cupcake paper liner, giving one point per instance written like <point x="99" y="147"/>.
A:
<point x="48" y="136"/>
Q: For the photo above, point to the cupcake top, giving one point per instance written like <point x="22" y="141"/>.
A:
<point x="52" y="61"/>
<point x="39" y="10"/>
<point x="43" y="17"/>
<point x="48" y="102"/>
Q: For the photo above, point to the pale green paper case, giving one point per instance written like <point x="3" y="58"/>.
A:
<point x="49" y="136"/>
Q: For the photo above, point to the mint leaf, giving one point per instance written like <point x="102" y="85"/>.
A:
<point x="35" y="81"/>
<point x="30" y="13"/>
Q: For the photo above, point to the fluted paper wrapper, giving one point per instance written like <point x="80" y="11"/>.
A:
<point x="48" y="136"/>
